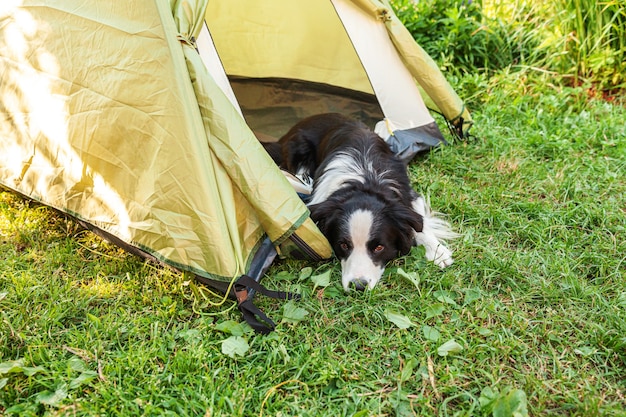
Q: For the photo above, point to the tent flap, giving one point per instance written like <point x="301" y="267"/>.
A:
<point x="132" y="136"/>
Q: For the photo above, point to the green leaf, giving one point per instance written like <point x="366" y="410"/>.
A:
<point x="483" y="331"/>
<point x="191" y="336"/>
<point x="53" y="398"/>
<point x="284" y="276"/>
<point x="235" y="345"/>
<point x="401" y="405"/>
<point x="410" y="276"/>
<point x="434" y="310"/>
<point x="77" y="364"/>
<point x="247" y="329"/>
<point x="11" y="367"/>
<point x="512" y="404"/>
<point x="3" y="295"/>
<point x="333" y="292"/>
<point x="509" y="403"/>
<point x="30" y="371"/>
<point x="84" y="378"/>
<point x="407" y="371"/>
<point x="305" y="273"/>
<point x="230" y="327"/>
<point x="292" y="313"/>
<point x="487" y="396"/>
<point x="430" y="333"/>
<point x="3" y="382"/>
<point x="444" y="297"/>
<point x="398" y="319"/>
<point x="585" y="351"/>
<point x="471" y="295"/>
<point x="321" y="280"/>
<point x="450" y="347"/>
<point x="17" y="366"/>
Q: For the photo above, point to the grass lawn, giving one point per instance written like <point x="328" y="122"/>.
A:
<point x="531" y="318"/>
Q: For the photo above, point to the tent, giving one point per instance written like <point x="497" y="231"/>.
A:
<point x="140" y="119"/>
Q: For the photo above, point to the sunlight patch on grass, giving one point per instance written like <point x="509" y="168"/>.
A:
<point x="507" y="165"/>
<point x="101" y="288"/>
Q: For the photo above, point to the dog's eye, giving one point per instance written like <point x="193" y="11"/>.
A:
<point x="344" y="246"/>
<point x="378" y="249"/>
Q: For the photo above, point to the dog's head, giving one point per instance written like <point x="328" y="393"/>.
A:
<point x="366" y="231"/>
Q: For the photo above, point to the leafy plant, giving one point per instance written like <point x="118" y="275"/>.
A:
<point x="461" y="37"/>
<point x="581" y="40"/>
<point x="595" y="40"/>
<point x="508" y="403"/>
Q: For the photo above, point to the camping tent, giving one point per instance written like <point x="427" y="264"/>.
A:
<point x="139" y="118"/>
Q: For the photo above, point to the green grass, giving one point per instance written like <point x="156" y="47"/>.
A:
<point x="536" y="298"/>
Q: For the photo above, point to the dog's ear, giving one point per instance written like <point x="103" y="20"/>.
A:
<point x="274" y="150"/>
<point x="406" y="217"/>
<point x="416" y="220"/>
<point x="299" y="152"/>
<point x="409" y="222"/>
<point x="324" y="214"/>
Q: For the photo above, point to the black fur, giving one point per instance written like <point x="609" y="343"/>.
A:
<point x="361" y="198"/>
<point x="393" y="228"/>
<point x="307" y="149"/>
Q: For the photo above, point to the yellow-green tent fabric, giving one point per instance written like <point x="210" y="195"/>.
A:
<point x="137" y="117"/>
<point x="107" y="114"/>
<point x="286" y="60"/>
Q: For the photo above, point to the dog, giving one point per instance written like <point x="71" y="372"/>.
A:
<point x="361" y="198"/>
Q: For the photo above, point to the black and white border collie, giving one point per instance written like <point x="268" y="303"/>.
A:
<point x="361" y="198"/>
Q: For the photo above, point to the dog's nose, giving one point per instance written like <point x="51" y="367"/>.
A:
<point x="359" y="283"/>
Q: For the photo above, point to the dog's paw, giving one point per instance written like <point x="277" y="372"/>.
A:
<point x="440" y="256"/>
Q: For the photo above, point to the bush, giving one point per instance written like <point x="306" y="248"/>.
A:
<point x="594" y="41"/>
<point x="582" y="41"/>
<point x="459" y="35"/>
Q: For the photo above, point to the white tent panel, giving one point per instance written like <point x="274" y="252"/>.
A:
<point x="397" y="94"/>
<point x="208" y="53"/>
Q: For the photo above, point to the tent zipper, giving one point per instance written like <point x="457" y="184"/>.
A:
<point x="305" y="248"/>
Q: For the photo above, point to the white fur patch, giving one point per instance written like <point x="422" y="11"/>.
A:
<point x="358" y="266"/>
<point x="434" y="231"/>
<point x="341" y="169"/>
<point x="345" y="167"/>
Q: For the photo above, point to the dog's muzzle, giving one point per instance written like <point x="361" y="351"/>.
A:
<point x="359" y="284"/>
